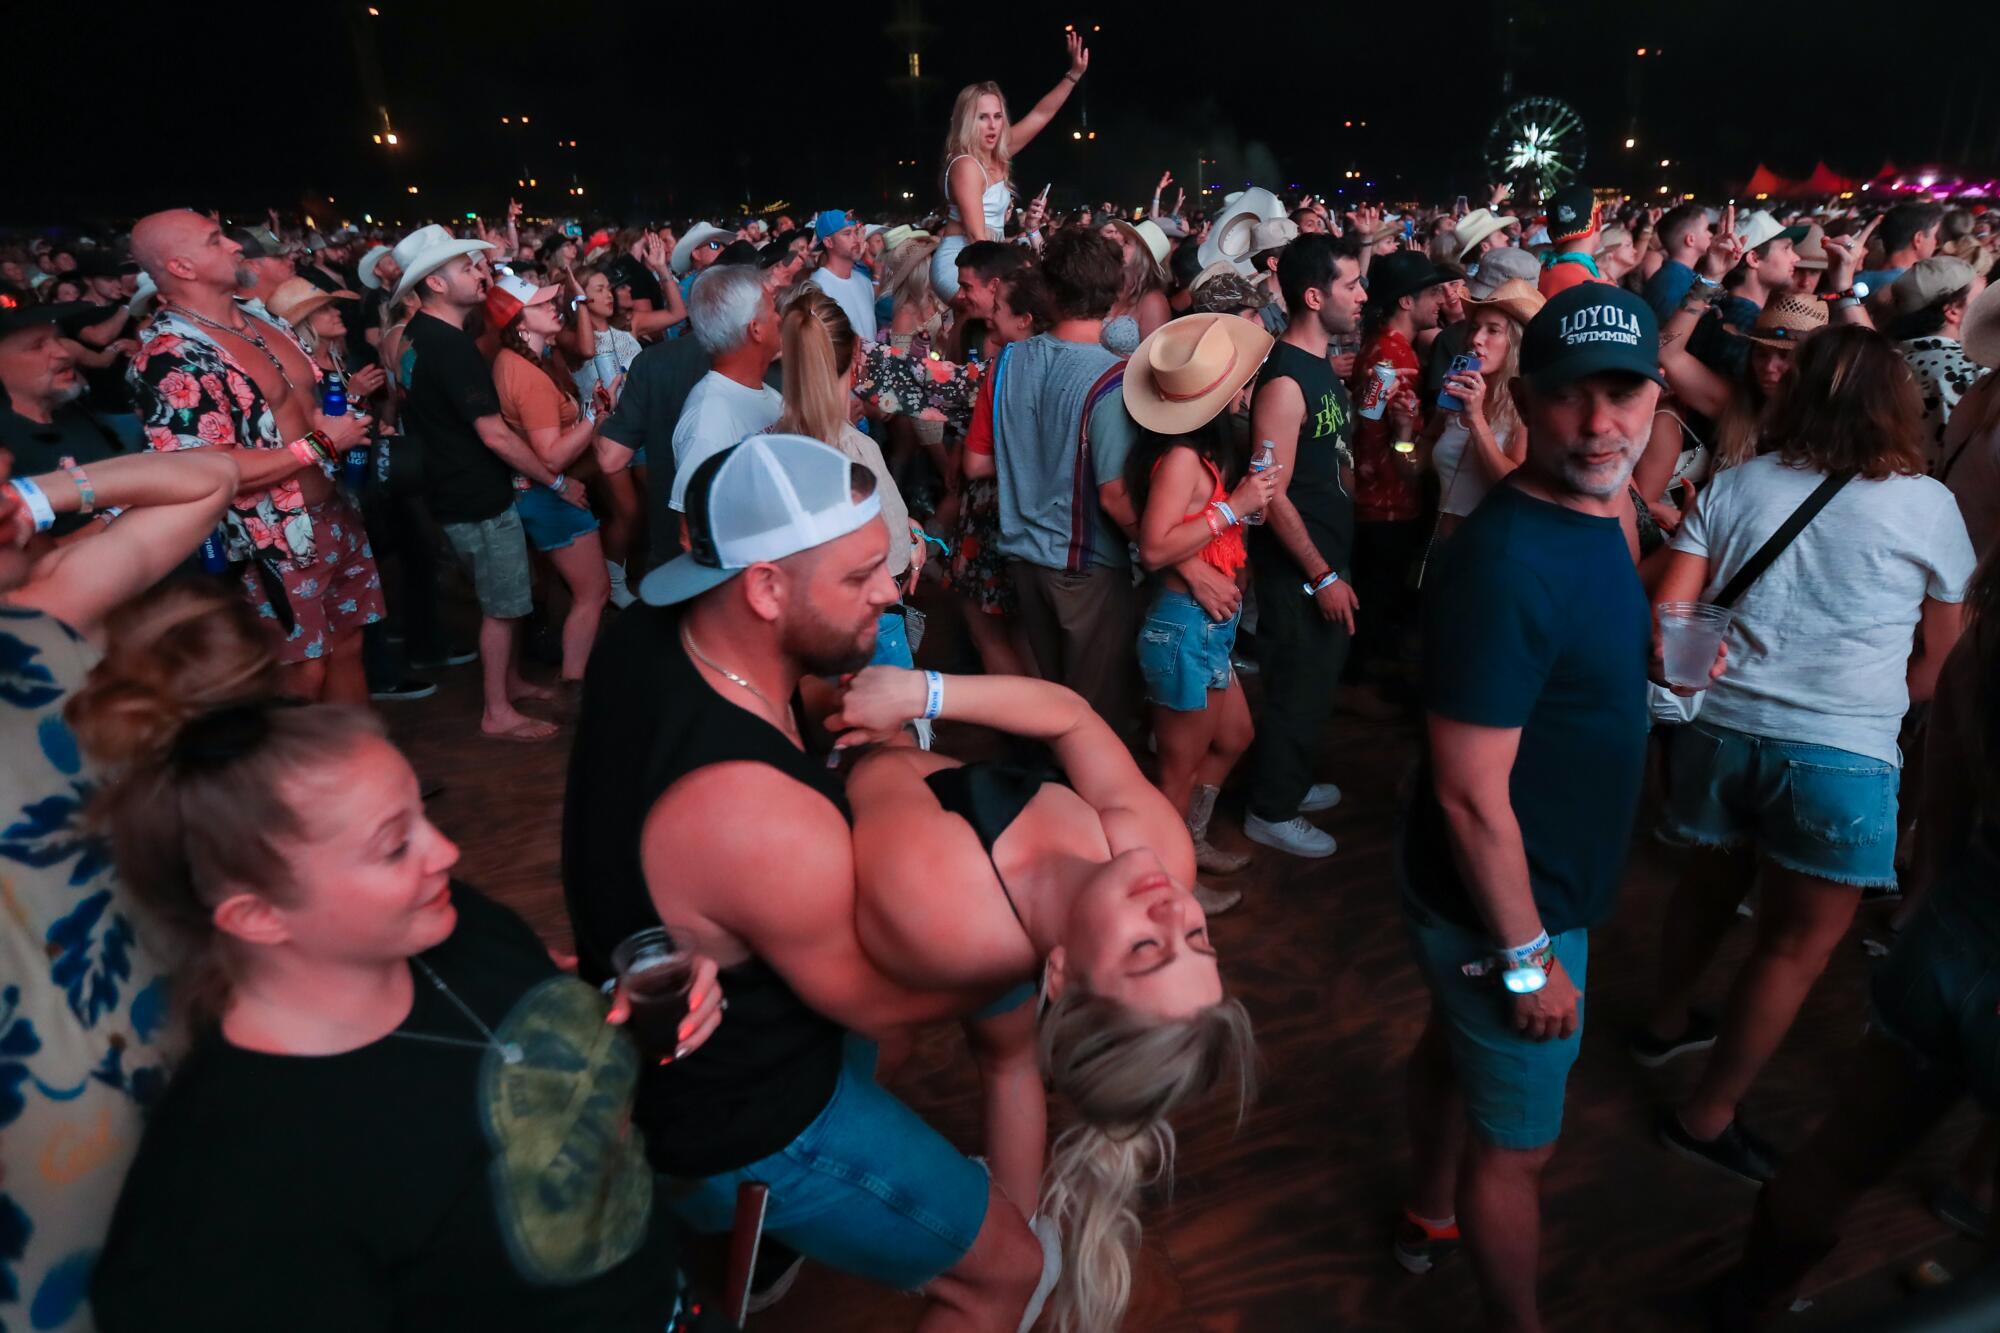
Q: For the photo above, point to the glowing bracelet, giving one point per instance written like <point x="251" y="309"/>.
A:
<point x="933" y="695"/>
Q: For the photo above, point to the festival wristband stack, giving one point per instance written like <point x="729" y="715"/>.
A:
<point x="38" y="504"/>
<point x="933" y="695"/>
<point x="86" y="493"/>
<point x="314" y="448"/>
<point x="1326" y="580"/>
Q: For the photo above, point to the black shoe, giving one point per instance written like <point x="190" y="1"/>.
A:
<point x="776" y="1269"/>
<point x="404" y="690"/>
<point x="1652" y="1052"/>
<point x="1735" y="1150"/>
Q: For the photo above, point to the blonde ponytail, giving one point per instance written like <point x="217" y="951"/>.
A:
<point x="817" y="344"/>
<point x="1123" y="1073"/>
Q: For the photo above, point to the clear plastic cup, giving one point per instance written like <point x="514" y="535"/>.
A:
<point x="1690" y="632"/>
<point x="656" y="977"/>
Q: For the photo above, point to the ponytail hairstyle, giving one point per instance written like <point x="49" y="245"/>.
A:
<point x="185" y="713"/>
<point x="817" y="346"/>
<point x="1123" y="1073"/>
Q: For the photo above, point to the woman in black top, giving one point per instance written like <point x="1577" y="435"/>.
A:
<point x="397" y="1112"/>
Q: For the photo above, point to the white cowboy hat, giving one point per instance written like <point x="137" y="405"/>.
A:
<point x="1231" y="238"/>
<point x="366" y="268"/>
<point x="426" y="250"/>
<point x="1155" y="239"/>
<point x="1188" y="369"/>
<point x="1476" y="226"/>
<point x="700" y="234"/>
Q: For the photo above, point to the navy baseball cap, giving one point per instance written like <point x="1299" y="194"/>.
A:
<point x="1590" y="329"/>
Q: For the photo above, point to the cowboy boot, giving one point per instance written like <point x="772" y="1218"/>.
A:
<point x="1201" y="809"/>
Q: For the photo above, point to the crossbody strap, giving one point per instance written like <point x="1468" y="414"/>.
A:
<point x="1754" y="568"/>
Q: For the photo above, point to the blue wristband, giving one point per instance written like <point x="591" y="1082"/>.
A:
<point x="1228" y="514"/>
<point x="1521" y="954"/>
<point x="38" y="504"/>
<point x="933" y="695"/>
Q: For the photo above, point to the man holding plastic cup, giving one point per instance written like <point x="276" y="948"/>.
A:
<point x="1538" y="643"/>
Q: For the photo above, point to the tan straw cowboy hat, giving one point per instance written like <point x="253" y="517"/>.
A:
<point x="1188" y="369"/>
<point x="1789" y="318"/>
<point x="1519" y="301"/>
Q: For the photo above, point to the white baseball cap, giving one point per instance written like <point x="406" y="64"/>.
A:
<point x="764" y="499"/>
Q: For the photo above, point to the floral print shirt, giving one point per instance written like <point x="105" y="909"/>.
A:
<point x="923" y="387"/>
<point x="1944" y="373"/>
<point x="192" y="394"/>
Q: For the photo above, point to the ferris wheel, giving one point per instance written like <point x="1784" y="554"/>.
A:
<point x="1538" y="143"/>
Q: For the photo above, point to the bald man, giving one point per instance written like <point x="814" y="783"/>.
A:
<point x="213" y="372"/>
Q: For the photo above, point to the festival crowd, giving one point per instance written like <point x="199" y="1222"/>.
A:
<point x="1687" y="512"/>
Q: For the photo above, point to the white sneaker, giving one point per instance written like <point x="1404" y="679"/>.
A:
<point x="1321" y="796"/>
<point x="621" y="596"/>
<point x="1294" y="835"/>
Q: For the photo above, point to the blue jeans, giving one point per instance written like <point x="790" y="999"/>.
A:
<point x="867" y="1188"/>
<point x="1811" y="809"/>
<point x="1182" y="653"/>
<point x="1513" y="1086"/>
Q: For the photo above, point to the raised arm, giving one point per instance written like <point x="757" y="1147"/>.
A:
<point x="1023" y="131"/>
<point x="1692" y="382"/>
<point x="170" y="502"/>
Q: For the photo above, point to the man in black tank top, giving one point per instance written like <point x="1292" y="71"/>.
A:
<point x="693" y="802"/>
<point x="1299" y="557"/>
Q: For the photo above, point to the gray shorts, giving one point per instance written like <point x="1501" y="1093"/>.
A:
<point x="495" y="552"/>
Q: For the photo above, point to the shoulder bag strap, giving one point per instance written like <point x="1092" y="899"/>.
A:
<point x="1754" y="568"/>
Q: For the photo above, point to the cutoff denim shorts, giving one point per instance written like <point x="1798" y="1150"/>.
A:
<point x="867" y="1188"/>
<point x="1811" y="809"/>
<point x="551" y="522"/>
<point x="1182" y="653"/>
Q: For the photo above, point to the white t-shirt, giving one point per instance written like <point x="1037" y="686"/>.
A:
<point x="1820" y="644"/>
<point x="719" y="412"/>
<point x="856" y="296"/>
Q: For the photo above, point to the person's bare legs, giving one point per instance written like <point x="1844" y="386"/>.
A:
<point x="1699" y="914"/>
<point x="346" y="675"/>
<point x="1435" y="1113"/>
<point x="993" y="638"/>
<point x="581" y="565"/>
<point x="1234" y="730"/>
<point x="1182" y="741"/>
<point x="1800" y="921"/>
<point x="988" y="1289"/>
<point x="1500" y="1218"/>
<point x="1016" y="1105"/>
<point x="497" y="677"/>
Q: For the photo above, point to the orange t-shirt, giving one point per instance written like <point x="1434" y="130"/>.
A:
<point x="529" y="399"/>
<point x="1561" y="277"/>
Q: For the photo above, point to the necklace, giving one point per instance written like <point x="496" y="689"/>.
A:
<point x="510" y="1051"/>
<point x="722" y="670"/>
<point x="248" y="333"/>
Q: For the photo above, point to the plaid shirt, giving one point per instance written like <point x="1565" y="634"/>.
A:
<point x="192" y="394"/>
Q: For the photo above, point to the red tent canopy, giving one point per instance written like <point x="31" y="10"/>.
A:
<point x="1764" y="181"/>
<point x="1824" y="181"/>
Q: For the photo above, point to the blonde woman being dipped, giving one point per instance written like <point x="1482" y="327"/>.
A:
<point x="979" y="150"/>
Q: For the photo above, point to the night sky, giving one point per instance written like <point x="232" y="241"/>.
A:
<point x="677" y="109"/>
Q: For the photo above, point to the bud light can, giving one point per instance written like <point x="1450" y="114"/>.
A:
<point x="1383" y="383"/>
<point x="215" y="551"/>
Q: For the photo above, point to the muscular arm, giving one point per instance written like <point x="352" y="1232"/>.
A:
<point x="781" y="881"/>
<point x="1276" y="414"/>
<point x="515" y="452"/>
<point x="1471" y="766"/>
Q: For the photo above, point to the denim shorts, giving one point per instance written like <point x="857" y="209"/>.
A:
<point x="495" y="553"/>
<point x="1182" y="653"/>
<point x="551" y="522"/>
<point x="867" y="1188"/>
<point x="1513" y="1086"/>
<point x="1811" y="809"/>
<point x="1938" y="992"/>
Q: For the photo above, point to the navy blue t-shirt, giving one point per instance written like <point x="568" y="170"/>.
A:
<point x="1536" y="619"/>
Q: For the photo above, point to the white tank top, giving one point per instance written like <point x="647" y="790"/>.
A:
<point x="993" y="204"/>
<point x="1464" y="484"/>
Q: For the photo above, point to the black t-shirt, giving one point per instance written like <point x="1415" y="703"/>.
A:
<point x="69" y="438"/>
<point x="627" y="271"/>
<point x="109" y="391"/>
<point x="419" y="1182"/>
<point x="1326" y="437"/>
<point x="648" y="720"/>
<point x="656" y="388"/>
<point x="451" y="387"/>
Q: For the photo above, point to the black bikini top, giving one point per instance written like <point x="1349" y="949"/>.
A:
<point x="990" y="796"/>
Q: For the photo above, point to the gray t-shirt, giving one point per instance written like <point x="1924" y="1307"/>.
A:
<point x="1820" y="644"/>
<point x="1059" y="411"/>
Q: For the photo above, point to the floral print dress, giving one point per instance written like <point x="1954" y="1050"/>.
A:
<point x="83" y="1001"/>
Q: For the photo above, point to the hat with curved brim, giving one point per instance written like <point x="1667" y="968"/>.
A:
<point x="700" y="234"/>
<point x="366" y="268"/>
<point x="1519" y="301"/>
<point x="510" y="295"/>
<point x="1188" y="369"/>
<point x="426" y="250"/>
<point x="1499" y="267"/>
<point x="1787" y="320"/>
<point x="297" y="299"/>
<point x="1233" y="236"/>
<point x="1156" y="240"/>
<point x="1979" y="332"/>
<point x="1476" y="226"/>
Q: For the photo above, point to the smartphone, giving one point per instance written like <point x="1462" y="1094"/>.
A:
<point x="1458" y="205"/>
<point x="1447" y="400"/>
<point x="1409" y="228"/>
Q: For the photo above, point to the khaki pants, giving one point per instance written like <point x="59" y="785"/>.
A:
<point x="1080" y="630"/>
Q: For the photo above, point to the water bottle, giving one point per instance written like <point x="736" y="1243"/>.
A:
<point x="1267" y="454"/>
<point x="333" y="395"/>
<point x="215" y="551"/>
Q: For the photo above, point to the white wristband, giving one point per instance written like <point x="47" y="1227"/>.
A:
<point x="38" y="504"/>
<point x="933" y="695"/>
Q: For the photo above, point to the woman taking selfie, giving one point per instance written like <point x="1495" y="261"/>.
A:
<point x="397" y="1111"/>
<point x="1472" y="448"/>
<point x="979" y="150"/>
